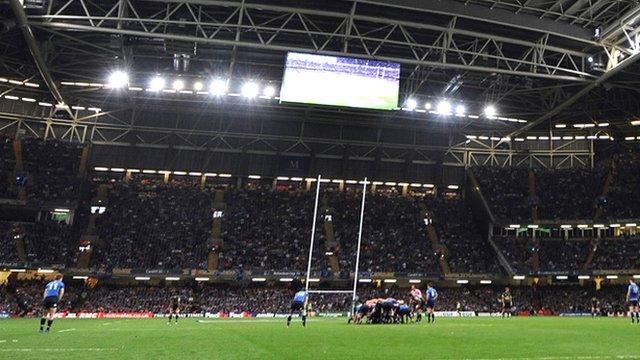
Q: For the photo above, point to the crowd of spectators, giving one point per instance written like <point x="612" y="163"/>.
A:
<point x="7" y="165"/>
<point x="623" y="199"/>
<point x="517" y="251"/>
<point x="617" y="253"/>
<point x="563" y="255"/>
<point x="209" y="298"/>
<point x="394" y="236"/>
<point x="265" y="229"/>
<point x="153" y="225"/>
<point x="466" y="250"/>
<point x="569" y="193"/>
<point x="52" y="166"/>
<point x="506" y="190"/>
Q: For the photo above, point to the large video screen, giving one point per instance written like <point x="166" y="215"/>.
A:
<point x="340" y="81"/>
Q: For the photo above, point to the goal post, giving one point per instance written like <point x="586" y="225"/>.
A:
<point x="353" y="292"/>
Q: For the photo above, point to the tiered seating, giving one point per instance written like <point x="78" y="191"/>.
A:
<point x="53" y="168"/>
<point x="619" y="253"/>
<point x="152" y="225"/>
<point x="568" y="193"/>
<point x="467" y="251"/>
<point x="624" y="196"/>
<point x="505" y="189"/>
<point x="394" y="236"/>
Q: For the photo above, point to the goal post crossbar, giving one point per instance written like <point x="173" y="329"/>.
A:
<point x="330" y="291"/>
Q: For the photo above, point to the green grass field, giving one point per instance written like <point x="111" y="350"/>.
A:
<point x="459" y="338"/>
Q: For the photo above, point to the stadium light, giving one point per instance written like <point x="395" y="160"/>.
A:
<point x="415" y="281"/>
<point x="598" y="226"/>
<point x="411" y="104"/>
<point x="427" y="106"/>
<point x="180" y="173"/>
<point x="254" y="177"/>
<point x="195" y="173"/>
<point x="490" y="111"/>
<point x="218" y="87"/>
<point x="636" y="276"/>
<point x="614" y="225"/>
<point x="17" y="270"/>
<point x="314" y="280"/>
<point x="561" y="126"/>
<point x="583" y="226"/>
<point x="269" y="91"/>
<point x="630" y="225"/>
<point x="566" y="227"/>
<point x="462" y="281"/>
<point x="282" y="178"/>
<point x="390" y="281"/>
<point x="198" y="86"/>
<point x="286" y="279"/>
<point x="202" y="279"/>
<point x="562" y="277"/>
<point x="486" y="282"/>
<point x="210" y="174"/>
<point x="178" y="85"/>
<point x="156" y="84"/>
<point x="117" y="169"/>
<point x="612" y="277"/>
<point x="453" y="187"/>
<point x="635" y="123"/>
<point x="80" y="277"/>
<point x="514" y="226"/>
<point x="352" y="182"/>
<point x="518" y="277"/>
<point x="224" y="175"/>
<point x="60" y="210"/>
<point x="250" y="90"/>
<point x="258" y="279"/>
<point x="142" y="278"/>
<point x="584" y="277"/>
<point x="148" y="171"/>
<point x="45" y="104"/>
<point x="444" y="108"/>
<point x="365" y="280"/>
<point x="460" y="110"/>
<point x="328" y="253"/>
<point x="172" y="278"/>
<point x="390" y="183"/>
<point x="101" y="168"/>
<point x="118" y="79"/>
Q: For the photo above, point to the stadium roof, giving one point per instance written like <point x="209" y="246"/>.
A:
<point x="566" y="61"/>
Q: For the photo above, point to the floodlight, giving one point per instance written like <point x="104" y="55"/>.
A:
<point x="178" y="85"/>
<point x="118" y="79"/>
<point x="460" y="110"/>
<point x="250" y="90"/>
<point x="412" y="104"/>
<point x="156" y="84"/>
<point x="490" y="111"/>
<point x="218" y="87"/>
<point x="198" y="86"/>
<point x="269" y="91"/>
<point x="444" y="108"/>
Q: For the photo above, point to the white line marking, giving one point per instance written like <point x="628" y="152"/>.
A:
<point x="57" y="349"/>
<point x="66" y="330"/>
<point x="586" y="357"/>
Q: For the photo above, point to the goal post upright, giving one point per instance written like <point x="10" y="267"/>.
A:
<point x="357" y="269"/>
<point x="313" y="233"/>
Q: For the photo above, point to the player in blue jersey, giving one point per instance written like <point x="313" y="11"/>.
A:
<point x="299" y="304"/>
<point x="432" y="295"/>
<point x="53" y="293"/>
<point x="404" y="313"/>
<point x="632" y="299"/>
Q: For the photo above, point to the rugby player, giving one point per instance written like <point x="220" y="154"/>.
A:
<point x="299" y="304"/>
<point x="432" y="295"/>
<point x="174" y="308"/>
<point x="632" y="299"/>
<point x="418" y="302"/>
<point x="507" y="302"/>
<point x="595" y="307"/>
<point x="53" y="293"/>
